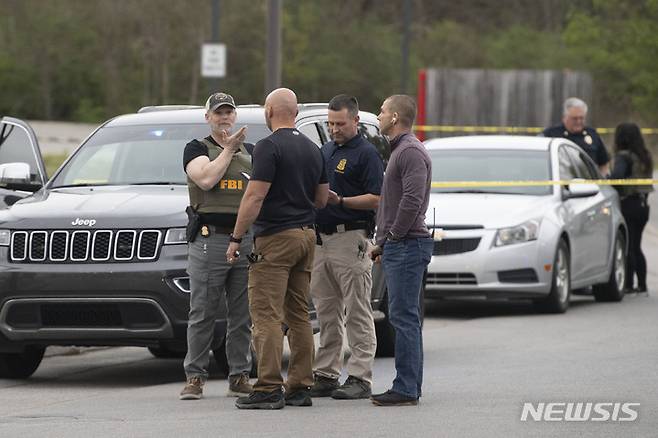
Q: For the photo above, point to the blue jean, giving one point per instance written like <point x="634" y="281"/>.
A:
<point x="404" y="264"/>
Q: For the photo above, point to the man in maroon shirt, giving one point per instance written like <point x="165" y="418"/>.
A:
<point x="404" y="244"/>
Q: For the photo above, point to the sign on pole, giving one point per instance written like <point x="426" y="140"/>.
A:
<point x="213" y="60"/>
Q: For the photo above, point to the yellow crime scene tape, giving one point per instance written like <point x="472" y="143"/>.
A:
<point x="509" y="129"/>
<point x="602" y="182"/>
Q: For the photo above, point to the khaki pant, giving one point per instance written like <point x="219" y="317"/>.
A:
<point x="341" y="287"/>
<point x="279" y="293"/>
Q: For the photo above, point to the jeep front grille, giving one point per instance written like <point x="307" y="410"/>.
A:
<point x="80" y="246"/>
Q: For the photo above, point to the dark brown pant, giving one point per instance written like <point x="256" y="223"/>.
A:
<point x="279" y="293"/>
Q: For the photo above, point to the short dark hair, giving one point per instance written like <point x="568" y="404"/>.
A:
<point x="405" y="106"/>
<point x="343" y="101"/>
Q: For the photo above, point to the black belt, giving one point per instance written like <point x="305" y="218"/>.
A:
<point x="341" y="228"/>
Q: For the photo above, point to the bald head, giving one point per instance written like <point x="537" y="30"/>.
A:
<point x="281" y="108"/>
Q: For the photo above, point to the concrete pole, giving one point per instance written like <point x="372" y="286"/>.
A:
<point x="273" y="46"/>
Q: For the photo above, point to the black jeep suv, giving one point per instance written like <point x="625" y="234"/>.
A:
<point x="97" y="255"/>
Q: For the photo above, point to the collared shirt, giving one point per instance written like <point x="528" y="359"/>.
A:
<point x="406" y="190"/>
<point x="354" y="168"/>
<point x="588" y="139"/>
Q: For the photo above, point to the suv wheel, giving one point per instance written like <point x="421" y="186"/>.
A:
<point x="162" y="352"/>
<point x="219" y="354"/>
<point x="557" y="300"/>
<point x="20" y="365"/>
<point x="613" y="290"/>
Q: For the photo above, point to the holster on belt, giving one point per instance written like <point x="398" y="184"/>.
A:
<point x="370" y="230"/>
<point x="193" y="223"/>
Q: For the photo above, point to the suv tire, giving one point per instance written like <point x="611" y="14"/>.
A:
<point x="385" y="331"/>
<point x="20" y="365"/>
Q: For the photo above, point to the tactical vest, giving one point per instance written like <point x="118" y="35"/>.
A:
<point x="637" y="172"/>
<point x="225" y="197"/>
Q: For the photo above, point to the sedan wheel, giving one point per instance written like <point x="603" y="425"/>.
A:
<point x="557" y="300"/>
<point x="613" y="290"/>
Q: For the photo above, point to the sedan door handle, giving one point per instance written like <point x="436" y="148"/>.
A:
<point x="591" y="213"/>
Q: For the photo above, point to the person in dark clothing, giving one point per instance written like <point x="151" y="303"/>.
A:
<point x="288" y="183"/>
<point x="633" y="160"/>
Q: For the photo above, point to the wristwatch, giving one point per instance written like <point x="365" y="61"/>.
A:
<point x="232" y="238"/>
<point x="392" y="237"/>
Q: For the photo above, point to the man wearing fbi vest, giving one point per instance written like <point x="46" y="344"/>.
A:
<point x="215" y="168"/>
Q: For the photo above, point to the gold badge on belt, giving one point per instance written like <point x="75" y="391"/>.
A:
<point x="205" y="232"/>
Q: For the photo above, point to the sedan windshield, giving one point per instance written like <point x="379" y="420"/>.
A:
<point x="143" y="154"/>
<point x="491" y="165"/>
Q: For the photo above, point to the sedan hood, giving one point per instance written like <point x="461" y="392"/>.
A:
<point x="485" y="210"/>
<point x="100" y="207"/>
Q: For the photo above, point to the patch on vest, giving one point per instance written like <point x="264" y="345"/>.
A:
<point x="230" y="184"/>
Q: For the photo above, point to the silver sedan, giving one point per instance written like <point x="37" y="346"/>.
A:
<point x="522" y="242"/>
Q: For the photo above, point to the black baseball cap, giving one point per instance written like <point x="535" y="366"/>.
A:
<point x="219" y="99"/>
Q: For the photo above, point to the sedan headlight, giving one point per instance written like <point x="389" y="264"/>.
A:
<point x="175" y="236"/>
<point x="525" y="232"/>
<point x="5" y="237"/>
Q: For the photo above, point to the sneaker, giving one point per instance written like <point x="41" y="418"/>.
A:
<point x="193" y="390"/>
<point x="391" y="398"/>
<point x="353" y="388"/>
<point x="261" y="400"/>
<point x="239" y="385"/>
<point x="641" y="291"/>
<point x="323" y="386"/>
<point x="300" y="397"/>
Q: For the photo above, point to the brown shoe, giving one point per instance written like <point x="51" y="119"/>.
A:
<point x="238" y="385"/>
<point x="193" y="389"/>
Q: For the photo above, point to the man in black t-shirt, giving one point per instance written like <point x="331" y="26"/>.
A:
<point x="287" y="184"/>
<point x="213" y="166"/>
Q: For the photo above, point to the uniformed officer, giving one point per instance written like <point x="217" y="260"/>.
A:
<point x="573" y="128"/>
<point x="341" y="281"/>
<point x="214" y="166"/>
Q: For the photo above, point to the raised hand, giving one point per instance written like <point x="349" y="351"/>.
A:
<point x="232" y="142"/>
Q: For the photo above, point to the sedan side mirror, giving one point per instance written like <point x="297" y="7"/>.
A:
<point x="581" y="191"/>
<point x="14" y="173"/>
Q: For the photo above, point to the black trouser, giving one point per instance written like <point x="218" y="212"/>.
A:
<point x="635" y="209"/>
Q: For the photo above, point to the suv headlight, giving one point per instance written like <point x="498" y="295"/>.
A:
<point x="175" y="236"/>
<point x="525" y="232"/>
<point x="5" y="237"/>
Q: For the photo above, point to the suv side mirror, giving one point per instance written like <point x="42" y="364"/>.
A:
<point x="14" y="173"/>
<point x="581" y="191"/>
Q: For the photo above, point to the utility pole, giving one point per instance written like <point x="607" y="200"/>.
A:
<point x="273" y="49"/>
<point x="214" y="37"/>
<point x="406" y="39"/>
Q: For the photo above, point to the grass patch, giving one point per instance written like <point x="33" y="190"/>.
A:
<point x="53" y="161"/>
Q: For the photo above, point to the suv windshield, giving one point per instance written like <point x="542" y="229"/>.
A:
<point x="143" y="154"/>
<point x="491" y="165"/>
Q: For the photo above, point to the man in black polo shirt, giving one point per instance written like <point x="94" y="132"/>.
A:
<point x="341" y="282"/>
<point x="573" y="128"/>
<point x="287" y="184"/>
